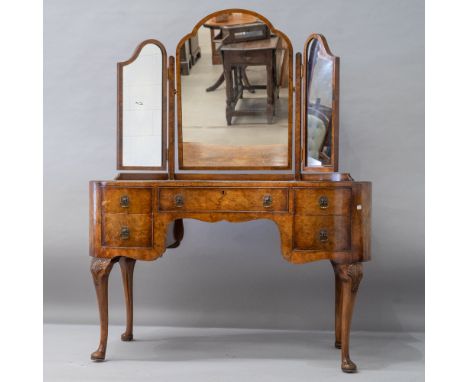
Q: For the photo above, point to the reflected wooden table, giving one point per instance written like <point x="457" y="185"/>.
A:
<point x="216" y="32"/>
<point x="235" y="58"/>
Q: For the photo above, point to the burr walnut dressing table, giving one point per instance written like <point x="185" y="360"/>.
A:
<point x="183" y="161"/>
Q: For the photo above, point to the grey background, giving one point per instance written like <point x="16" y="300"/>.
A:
<point x="233" y="274"/>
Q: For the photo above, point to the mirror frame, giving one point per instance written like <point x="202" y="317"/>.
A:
<point x="179" y="96"/>
<point x="333" y="166"/>
<point x="120" y="127"/>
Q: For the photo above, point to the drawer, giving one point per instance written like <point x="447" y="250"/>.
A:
<point x="127" y="230"/>
<point x="326" y="233"/>
<point x="126" y="200"/>
<point x="223" y="199"/>
<point x="323" y="201"/>
<point x="248" y="57"/>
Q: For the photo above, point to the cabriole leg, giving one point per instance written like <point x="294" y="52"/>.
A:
<point x="100" y="270"/>
<point x="126" y="266"/>
<point x="350" y="276"/>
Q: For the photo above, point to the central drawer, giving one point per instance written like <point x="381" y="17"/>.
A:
<point x="223" y="199"/>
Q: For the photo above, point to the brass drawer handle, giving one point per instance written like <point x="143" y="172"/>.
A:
<point x="124" y="233"/>
<point x="179" y="201"/>
<point x="124" y="201"/>
<point x="323" y="235"/>
<point x="323" y="202"/>
<point x="267" y="201"/>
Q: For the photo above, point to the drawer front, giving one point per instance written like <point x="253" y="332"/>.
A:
<point x="246" y="57"/>
<point x="126" y="200"/>
<point x="223" y="199"/>
<point x="323" y="201"/>
<point x="325" y="233"/>
<point x="127" y="230"/>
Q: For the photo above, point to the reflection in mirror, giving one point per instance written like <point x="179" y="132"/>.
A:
<point x="319" y="104"/>
<point x="142" y="111"/>
<point x="233" y="97"/>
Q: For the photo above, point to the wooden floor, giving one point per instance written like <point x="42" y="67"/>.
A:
<point x="211" y="155"/>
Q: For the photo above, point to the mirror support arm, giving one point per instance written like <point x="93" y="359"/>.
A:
<point x="297" y="130"/>
<point x="171" y="95"/>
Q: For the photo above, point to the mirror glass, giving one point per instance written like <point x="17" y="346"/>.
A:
<point x="319" y="99"/>
<point x="141" y="108"/>
<point x="233" y="93"/>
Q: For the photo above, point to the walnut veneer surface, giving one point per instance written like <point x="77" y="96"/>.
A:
<point x="315" y="220"/>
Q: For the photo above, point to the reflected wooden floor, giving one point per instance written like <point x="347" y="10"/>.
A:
<point x="211" y="155"/>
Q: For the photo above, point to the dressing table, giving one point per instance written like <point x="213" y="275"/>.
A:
<point x="179" y="163"/>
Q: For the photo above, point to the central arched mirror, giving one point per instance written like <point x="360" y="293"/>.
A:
<point x="234" y="94"/>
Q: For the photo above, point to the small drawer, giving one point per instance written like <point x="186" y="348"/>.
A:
<point x="326" y="233"/>
<point x="248" y="57"/>
<point x="323" y="201"/>
<point x="223" y="199"/>
<point x="127" y="230"/>
<point x="126" y="200"/>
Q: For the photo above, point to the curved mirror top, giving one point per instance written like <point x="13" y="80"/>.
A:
<point x="319" y="105"/>
<point x="142" y="111"/>
<point x="233" y="95"/>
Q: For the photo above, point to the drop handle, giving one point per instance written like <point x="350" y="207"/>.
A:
<point x="179" y="201"/>
<point x="124" y="201"/>
<point x="124" y="233"/>
<point x="323" y="235"/>
<point x="323" y="202"/>
<point x="267" y="201"/>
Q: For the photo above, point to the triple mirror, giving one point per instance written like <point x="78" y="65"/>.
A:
<point x="233" y="82"/>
